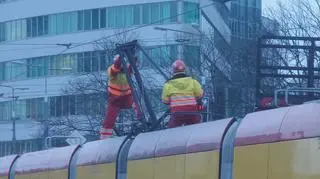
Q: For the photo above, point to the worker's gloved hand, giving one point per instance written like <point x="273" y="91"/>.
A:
<point x="200" y="107"/>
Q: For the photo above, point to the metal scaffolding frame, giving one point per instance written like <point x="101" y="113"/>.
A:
<point x="312" y="48"/>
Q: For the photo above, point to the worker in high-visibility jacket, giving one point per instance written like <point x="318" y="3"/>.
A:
<point x="119" y="96"/>
<point x="182" y="94"/>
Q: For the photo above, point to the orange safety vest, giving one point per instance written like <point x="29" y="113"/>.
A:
<point x="118" y="84"/>
<point x="182" y="100"/>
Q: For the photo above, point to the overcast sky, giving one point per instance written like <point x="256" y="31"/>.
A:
<point x="268" y="3"/>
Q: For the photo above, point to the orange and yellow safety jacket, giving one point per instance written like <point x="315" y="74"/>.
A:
<point x="117" y="83"/>
<point x="181" y="90"/>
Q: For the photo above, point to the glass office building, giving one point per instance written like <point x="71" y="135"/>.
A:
<point x="245" y="23"/>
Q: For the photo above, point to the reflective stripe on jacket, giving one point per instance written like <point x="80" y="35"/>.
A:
<point x="117" y="83"/>
<point x="181" y="90"/>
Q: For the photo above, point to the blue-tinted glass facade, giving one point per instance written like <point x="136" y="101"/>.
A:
<point x="92" y="19"/>
<point x="192" y="12"/>
<point x="83" y="62"/>
<point x="245" y="19"/>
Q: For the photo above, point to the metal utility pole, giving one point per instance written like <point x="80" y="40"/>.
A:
<point x="310" y="64"/>
<point x="46" y="101"/>
<point x="128" y="50"/>
<point x="13" y="115"/>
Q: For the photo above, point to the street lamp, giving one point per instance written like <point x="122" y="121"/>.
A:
<point x="13" y="114"/>
<point x="46" y="112"/>
<point x="174" y="30"/>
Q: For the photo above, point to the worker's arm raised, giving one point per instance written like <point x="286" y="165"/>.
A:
<point x="115" y="67"/>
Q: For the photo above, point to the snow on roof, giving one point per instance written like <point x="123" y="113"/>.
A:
<point x="101" y="151"/>
<point x="188" y="139"/>
<point x="53" y="159"/>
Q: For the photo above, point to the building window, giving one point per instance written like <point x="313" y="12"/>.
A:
<point x="162" y="55"/>
<point x="137" y="15"/>
<point x="2" y="71"/>
<point x="52" y="106"/>
<point x="119" y="17"/>
<point x="80" y="63"/>
<point x="13" y="30"/>
<point x="74" y="21"/>
<point x="174" y="11"/>
<point x="18" y="30"/>
<point x="37" y="67"/>
<point x="95" y="61"/>
<point x="111" y="17"/>
<point x="80" y="102"/>
<point x="5" y="111"/>
<point x="191" y="12"/>
<point x="155" y="13"/>
<point x="60" y="23"/>
<point x="66" y="23"/>
<point x="192" y="55"/>
<point x="58" y="106"/>
<point x="65" y="105"/>
<point x="29" y="27"/>
<point x="72" y="63"/>
<point x="87" y="62"/>
<point x="165" y="12"/>
<point x="40" y="26"/>
<point x="103" y="60"/>
<point x="2" y="32"/>
<point x="87" y="19"/>
<point x="72" y="105"/>
<point x="53" y="24"/>
<point x="35" y="108"/>
<point x="80" y="20"/>
<point x="146" y="10"/>
<point x="95" y="19"/>
<point x="21" y="109"/>
<point x="8" y="31"/>
<point x="45" y="25"/>
<point x="8" y="68"/>
<point x="103" y="18"/>
<point x="19" y="71"/>
<point x="128" y="16"/>
<point x="34" y="26"/>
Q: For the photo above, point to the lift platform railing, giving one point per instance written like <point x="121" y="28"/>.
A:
<point x="309" y="90"/>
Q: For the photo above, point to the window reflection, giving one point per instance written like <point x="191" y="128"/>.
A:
<point x="83" y="62"/>
<point x="91" y="19"/>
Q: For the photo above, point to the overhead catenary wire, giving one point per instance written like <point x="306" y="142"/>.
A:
<point x="24" y="49"/>
<point x="142" y="40"/>
<point x="150" y="40"/>
<point x="33" y="44"/>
